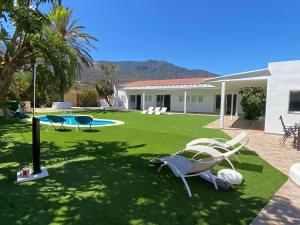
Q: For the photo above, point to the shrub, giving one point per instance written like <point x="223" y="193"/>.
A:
<point x="12" y="105"/>
<point x="253" y="101"/>
<point x="87" y="97"/>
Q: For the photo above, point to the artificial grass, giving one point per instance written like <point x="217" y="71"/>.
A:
<point x="103" y="176"/>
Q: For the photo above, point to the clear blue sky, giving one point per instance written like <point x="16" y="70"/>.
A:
<point x="216" y="35"/>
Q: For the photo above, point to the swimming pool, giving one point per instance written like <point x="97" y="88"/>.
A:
<point x="71" y="122"/>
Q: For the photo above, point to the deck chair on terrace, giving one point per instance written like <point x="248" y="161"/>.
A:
<point x="289" y="132"/>
<point x="162" y="111"/>
<point x="150" y="109"/>
<point x="157" y="109"/>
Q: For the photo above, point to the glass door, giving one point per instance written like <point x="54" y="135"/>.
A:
<point x="159" y="100"/>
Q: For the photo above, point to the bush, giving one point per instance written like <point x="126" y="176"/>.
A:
<point x="11" y="105"/>
<point x="87" y="97"/>
<point x="253" y="102"/>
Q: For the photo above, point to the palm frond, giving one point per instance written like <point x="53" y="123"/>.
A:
<point x="72" y="33"/>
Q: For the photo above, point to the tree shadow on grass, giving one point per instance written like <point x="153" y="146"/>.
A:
<point x="249" y="166"/>
<point x="101" y="182"/>
<point x="62" y="130"/>
<point x="248" y="152"/>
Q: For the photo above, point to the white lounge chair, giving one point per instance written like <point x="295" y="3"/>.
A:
<point x="183" y="167"/>
<point x="219" y="141"/>
<point x="213" y="151"/>
<point x="162" y="111"/>
<point x="157" y="109"/>
<point x="150" y="109"/>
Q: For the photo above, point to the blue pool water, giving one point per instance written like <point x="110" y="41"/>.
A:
<point x="70" y="120"/>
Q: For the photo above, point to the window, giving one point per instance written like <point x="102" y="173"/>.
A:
<point x="148" y="98"/>
<point x="294" y="104"/>
<point x="194" y="98"/>
<point x="200" y="98"/>
<point x="159" y="100"/>
<point x="132" y="98"/>
<point x="181" y="98"/>
<point x="188" y="98"/>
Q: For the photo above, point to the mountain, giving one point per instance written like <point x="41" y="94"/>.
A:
<point x="141" y="70"/>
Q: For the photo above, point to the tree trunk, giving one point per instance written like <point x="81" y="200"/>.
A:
<point x="62" y="97"/>
<point x="106" y="99"/>
<point x="5" y="76"/>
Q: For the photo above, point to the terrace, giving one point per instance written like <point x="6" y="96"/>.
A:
<point x="284" y="207"/>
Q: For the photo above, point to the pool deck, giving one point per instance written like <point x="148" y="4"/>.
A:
<point x="284" y="207"/>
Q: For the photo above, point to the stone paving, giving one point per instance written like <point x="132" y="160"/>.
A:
<point x="284" y="207"/>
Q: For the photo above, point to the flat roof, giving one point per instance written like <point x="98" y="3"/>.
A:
<point x="248" y="75"/>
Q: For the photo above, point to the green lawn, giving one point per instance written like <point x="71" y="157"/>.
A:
<point x="104" y="176"/>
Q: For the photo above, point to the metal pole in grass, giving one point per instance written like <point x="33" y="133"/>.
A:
<point x="36" y="146"/>
<point x="38" y="61"/>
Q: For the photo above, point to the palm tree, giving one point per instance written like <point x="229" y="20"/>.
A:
<point x="73" y="34"/>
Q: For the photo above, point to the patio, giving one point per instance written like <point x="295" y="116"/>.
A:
<point x="284" y="208"/>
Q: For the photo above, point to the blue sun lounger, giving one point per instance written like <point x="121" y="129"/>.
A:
<point x="19" y="116"/>
<point x="56" y="120"/>
<point x="83" y="120"/>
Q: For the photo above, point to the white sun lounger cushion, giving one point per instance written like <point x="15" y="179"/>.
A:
<point x="231" y="176"/>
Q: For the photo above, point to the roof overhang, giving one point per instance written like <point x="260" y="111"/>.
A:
<point x="253" y="75"/>
<point x="172" y="87"/>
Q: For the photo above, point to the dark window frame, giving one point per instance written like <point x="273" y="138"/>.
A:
<point x="132" y="98"/>
<point x="291" y="107"/>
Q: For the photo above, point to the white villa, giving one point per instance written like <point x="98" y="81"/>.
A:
<point x="220" y="95"/>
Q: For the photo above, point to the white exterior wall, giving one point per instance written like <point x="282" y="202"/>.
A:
<point x="118" y="101"/>
<point x="150" y="103"/>
<point x="206" y="106"/>
<point x="121" y="96"/>
<point x="285" y="76"/>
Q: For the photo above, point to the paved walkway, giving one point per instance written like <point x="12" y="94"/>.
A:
<point x="284" y="207"/>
